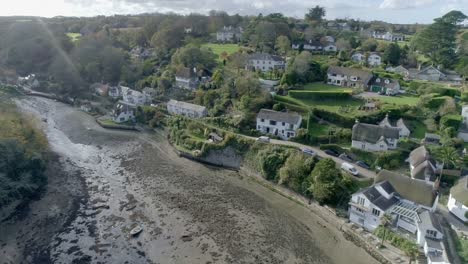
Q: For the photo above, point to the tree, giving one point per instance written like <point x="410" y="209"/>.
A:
<point x="411" y="250"/>
<point x="283" y="45"/>
<point x="449" y="157"/>
<point x="384" y="222"/>
<point x="392" y="54"/>
<point x="294" y="171"/>
<point x="370" y="45"/>
<point x="194" y="57"/>
<point x="325" y="181"/>
<point x="315" y="14"/>
<point x="438" y="40"/>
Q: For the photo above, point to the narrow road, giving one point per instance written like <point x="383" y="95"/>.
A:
<point x="363" y="173"/>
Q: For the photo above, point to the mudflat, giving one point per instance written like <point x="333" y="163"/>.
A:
<point x="104" y="183"/>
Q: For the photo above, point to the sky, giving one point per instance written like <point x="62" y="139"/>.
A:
<point x="395" y="11"/>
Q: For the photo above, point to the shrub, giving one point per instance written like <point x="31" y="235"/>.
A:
<point x="451" y="121"/>
<point x="320" y="95"/>
<point x="390" y="160"/>
<point x="435" y="102"/>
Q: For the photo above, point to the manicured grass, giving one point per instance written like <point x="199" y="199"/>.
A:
<point x="399" y="100"/>
<point x="418" y="129"/>
<point x="318" y="86"/>
<point x="218" y="49"/>
<point x="316" y="129"/>
<point x="74" y="36"/>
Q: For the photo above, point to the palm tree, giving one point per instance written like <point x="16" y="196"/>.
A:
<point x="385" y="221"/>
<point x="448" y="156"/>
<point x="412" y="251"/>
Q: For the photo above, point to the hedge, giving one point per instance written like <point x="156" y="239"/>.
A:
<point x="451" y="121"/>
<point x="436" y="102"/>
<point x="320" y="95"/>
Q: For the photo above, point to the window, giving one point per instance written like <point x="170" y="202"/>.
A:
<point x="359" y="210"/>
<point x="338" y="81"/>
<point x="272" y="122"/>
<point x="284" y="123"/>
<point x="334" y="74"/>
<point x="431" y="233"/>
<point x="262" y="120"/>
<point x="361" y="200"/>
<point x="375" y="212"/>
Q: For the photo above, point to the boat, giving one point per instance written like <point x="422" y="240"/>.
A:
<point x="136" y="230"/>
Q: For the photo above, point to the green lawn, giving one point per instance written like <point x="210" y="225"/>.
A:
<point x="399" y="100"/>
<point x="218" y="49"/>
<point x="318" y="86"/>
<point x="74" y="36"/>
<point x="418" y="129"/>
<point x="316" y="129"/>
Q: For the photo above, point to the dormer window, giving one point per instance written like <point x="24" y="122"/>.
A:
<point x="353" y="78"/>
<point x="378" y="80"/>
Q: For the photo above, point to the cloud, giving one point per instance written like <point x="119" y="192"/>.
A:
<point x="404" y="4"/>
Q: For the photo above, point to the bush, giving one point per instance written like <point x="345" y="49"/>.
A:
<point x="390" y="160"/>
<point x="435" y="102"/>
<point x="464" y="97"/>
<point x="451" y="121"/>
<point x="320" y="95"/>
<point x="394" y="239"/>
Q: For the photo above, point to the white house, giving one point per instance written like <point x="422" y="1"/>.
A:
<point x="358" y="57"/>
<point x="133" y="97"/>
<point x="282" y="124"/>
<point x="458" y="200"/>
<point x="430" y="73"/>
<point x="186" y="109"/>
<point x="348" y="77"/>
<point x="229" y="34"/>
<point x="422" y="165"/>
<point x="411" y="205"/>
<point x="149" y="93"/>
<point x="114" y="91"/>
<point x="385" y="86"/>
<point x="265" y="62"/>
<point x="389" y="36"/>
<point x="402" y="198"/>
<point x="330" y="46"/>
<point x="374" y="59"/>
<point x="463" y="132"/>
<point x="124" y="112"/>
<point x="374" y="138"/>
<point x="403" y="130"/>
<point x="399" y="70"/>
<point x="310" y="45"/>
<point x="187" y="78"/>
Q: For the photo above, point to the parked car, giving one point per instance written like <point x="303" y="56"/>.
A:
<point x="362" y="164"/>
<point x="349" y="168"/>
<point x="331" y="152"/>
<point x="345" y="157"/>
<point x="309" y="152"/>
<point x="263" y="139"/>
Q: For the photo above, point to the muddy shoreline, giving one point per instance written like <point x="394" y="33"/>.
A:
<point x="103" y="183"/>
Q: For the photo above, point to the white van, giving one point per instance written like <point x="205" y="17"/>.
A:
<point x="349" y="168"/>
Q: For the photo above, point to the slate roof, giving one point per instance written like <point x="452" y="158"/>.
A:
<point x="184" y="105"/>
<point x="413" y="190"/>
<point x="373" y="133"/>
<point x="387" y="187"/>
<point x="381" y="82"/>
<point x="287" y="117"/>
<point x="265" y="56"/>
<point x="428" y="219"/>
<point x="363" y="76"/>
<point x="460" y="191"/>
<point x="186" y="73"/>
<point x="376" y="198"/>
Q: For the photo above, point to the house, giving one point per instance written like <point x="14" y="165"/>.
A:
<point x="328" y="39"/>
<point x="149" y="93"/>
<point x="265" y="62"/>
<point x="86" y="107"/>
<point x="348" y="77"/>
<point x="385" y="86"/>
<point x="388" y="36"/>
<point x="114" y="91"/>
<point x="430" y="138"/>
<point x="374" y="59"/>
<point x="399" y="70"/>
<point x="406" y="200"/>
<point x="430" y="73"/>
<point x="186" y="109"/>
<point x="458" y="200"/>
<point x="133" y="97"/>
<point x="422" y="165"/>
<point x="229" y="34"/>
<point x="403" y="130"/>
<point x="372" y="138"/>
<point x="358" y="57"/>
<point x="282" y="124"/>
<point x="187" y="78"/>
<point x="463" y="131"/>
<point x="310" y="45"/>
<point x="141" y="53"/>
<point x="124" y="112"/>
<point x="330" y="47"/>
